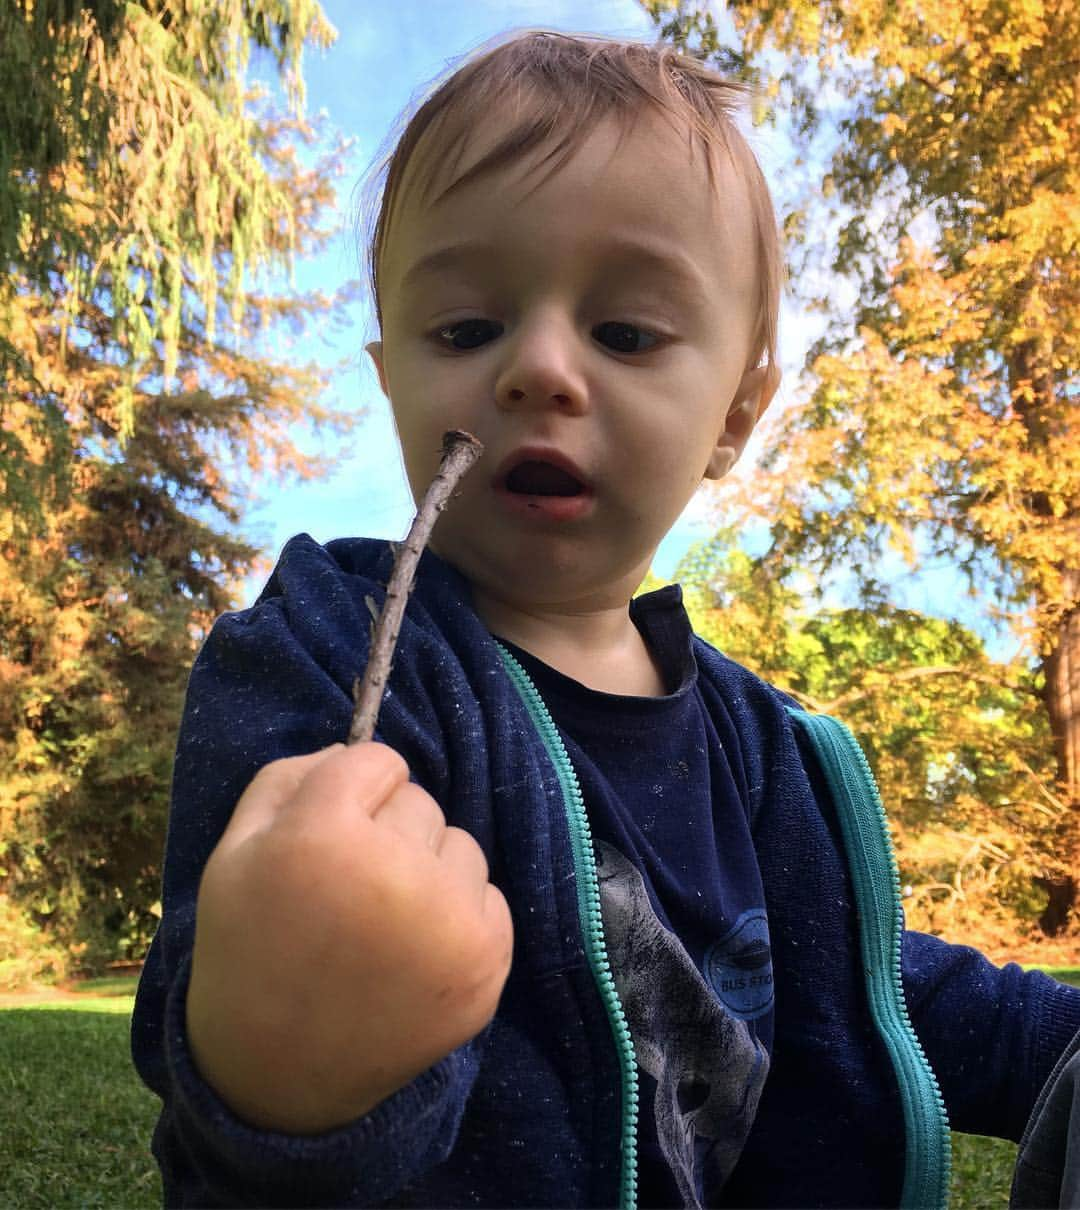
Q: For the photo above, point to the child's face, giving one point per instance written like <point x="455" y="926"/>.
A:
<point x="546" y="339"/>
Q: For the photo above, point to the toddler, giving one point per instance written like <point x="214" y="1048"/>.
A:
<point x="600" y="917"/>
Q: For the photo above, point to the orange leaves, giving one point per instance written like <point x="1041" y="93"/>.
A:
<point x="875" y="440"/>
<point x="940" y="420"/>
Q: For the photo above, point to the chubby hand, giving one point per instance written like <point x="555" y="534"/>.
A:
<point x="346" y="939"/>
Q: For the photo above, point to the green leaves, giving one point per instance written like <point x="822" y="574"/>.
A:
<point x="131" y="439"/>
<point x="141" y="155"/>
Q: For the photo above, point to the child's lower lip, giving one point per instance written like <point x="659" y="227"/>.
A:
<point x="547" y="508"/>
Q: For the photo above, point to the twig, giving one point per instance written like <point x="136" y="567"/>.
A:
<point x="460" y="451"/>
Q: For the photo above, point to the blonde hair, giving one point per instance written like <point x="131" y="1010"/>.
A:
<point x="565" y="84"/>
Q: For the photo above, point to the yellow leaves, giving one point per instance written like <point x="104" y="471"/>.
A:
<point x="887" y="440"/>
<point x="1025" y="29"/>
<point x="951" y="426"/>
<point x="805" y="25"/>
<point x="799" y="26"/>
<point x="882" y="443"/>
<point x="936" y="311"/>
<point x="1048" y="225"/>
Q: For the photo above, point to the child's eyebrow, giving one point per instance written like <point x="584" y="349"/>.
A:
<point x="659" y="260"/>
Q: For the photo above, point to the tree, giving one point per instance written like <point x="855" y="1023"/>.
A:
<point x="140" y="116"/>
<point x="135" y="542"/>
<point x="940" y="420"/>
<point x="51" y="105"/>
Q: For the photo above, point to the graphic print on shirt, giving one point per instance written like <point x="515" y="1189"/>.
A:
<point x="708" y="1066"/>
<point x="739" y="966"/>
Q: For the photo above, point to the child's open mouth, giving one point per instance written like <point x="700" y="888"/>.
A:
<point x="542" y="479"/>
<point x="544" y="486"/>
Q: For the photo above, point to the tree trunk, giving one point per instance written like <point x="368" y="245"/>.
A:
<point x="1061" y="670"/>
<point x="1061" y="896"/>
<point x="1061" y="667"/>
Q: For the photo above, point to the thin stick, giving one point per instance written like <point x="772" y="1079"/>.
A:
<point x="460" y="451"/>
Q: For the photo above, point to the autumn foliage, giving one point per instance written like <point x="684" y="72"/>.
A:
<point x="934" y="424"/>
<point x="959" y="743"/>
<point x="150" y="202"/>
<point x="146" y="391"/>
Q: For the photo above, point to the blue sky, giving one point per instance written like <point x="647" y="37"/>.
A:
<point x="384" y="58"/>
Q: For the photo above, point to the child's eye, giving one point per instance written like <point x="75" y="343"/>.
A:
<point x="468" y="327"/>
<point x="623" y="337"/>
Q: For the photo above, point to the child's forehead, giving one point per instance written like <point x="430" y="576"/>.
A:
<point x="508" y="146"/>
<point x="643" y="183"/>
<point x="670" y="168"/>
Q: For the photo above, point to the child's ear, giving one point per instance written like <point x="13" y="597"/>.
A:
<point x="752" y="397"/>
<point x="374" y="351"/>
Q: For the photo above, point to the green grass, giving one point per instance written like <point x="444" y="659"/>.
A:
<point x="75" y="1122"/>
<point x="982" y="1168"/>
<point x="982" y="1171"/>
<point x="1066" y="974"/>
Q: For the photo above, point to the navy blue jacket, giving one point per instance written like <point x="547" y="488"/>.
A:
<point x="529" y="1112"/>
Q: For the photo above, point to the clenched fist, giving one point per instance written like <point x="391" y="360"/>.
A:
<point x="346" y="939"/>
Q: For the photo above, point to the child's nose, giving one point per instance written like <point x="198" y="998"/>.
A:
<point x="542" y="368"/>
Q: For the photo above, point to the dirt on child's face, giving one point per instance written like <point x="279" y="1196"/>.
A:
<point x="599" y="378"/>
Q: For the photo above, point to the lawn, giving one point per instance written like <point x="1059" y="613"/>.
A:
<point x="75" y="1122"/>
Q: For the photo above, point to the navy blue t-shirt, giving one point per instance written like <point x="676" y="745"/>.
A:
<point x="683" y="906"/>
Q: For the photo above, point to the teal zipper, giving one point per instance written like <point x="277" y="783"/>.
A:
<point x="592" y="926"/>
<point x="876" y="881"/>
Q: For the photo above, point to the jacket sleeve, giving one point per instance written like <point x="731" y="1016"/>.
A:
<point x="1048" y="1161"/>
<point x="258" y="693"/>
<point x="991" y="1034"/>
